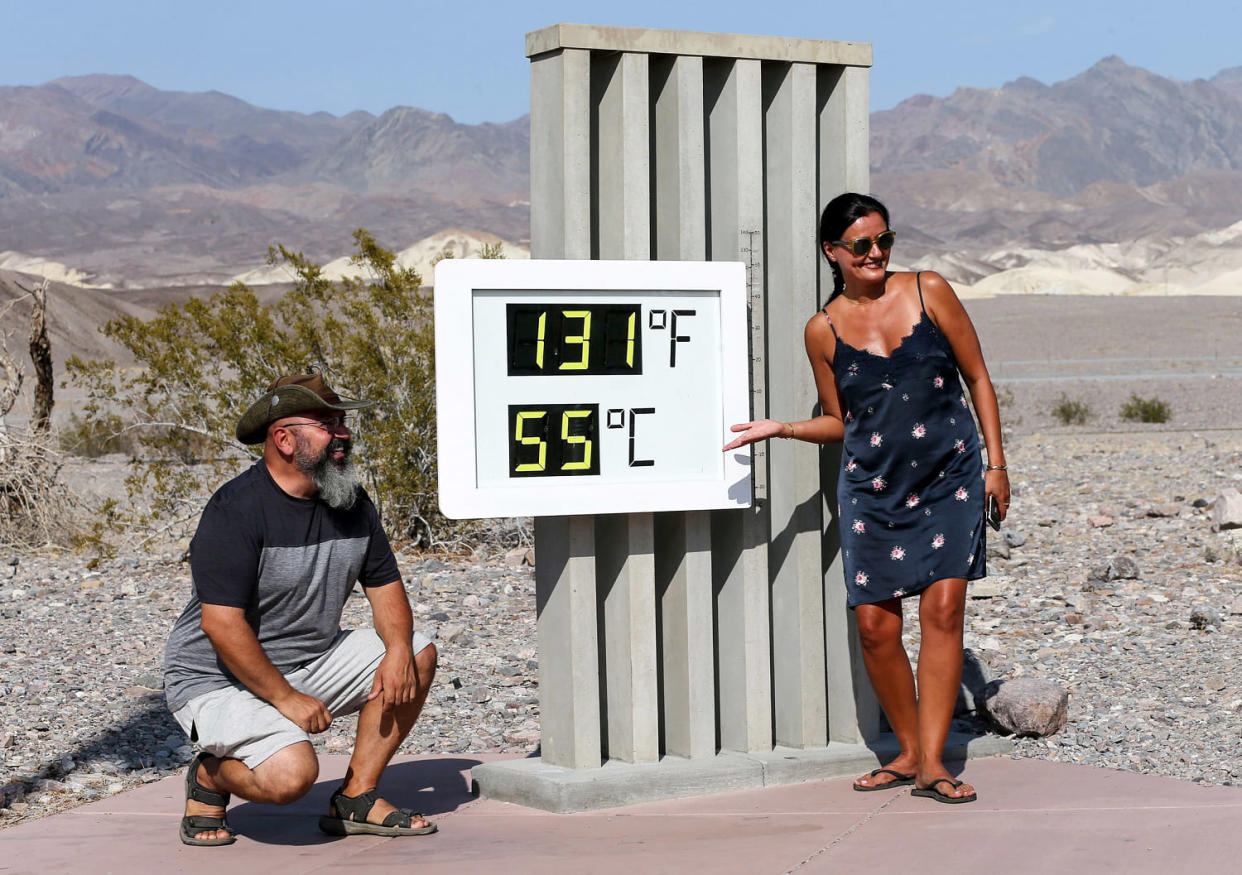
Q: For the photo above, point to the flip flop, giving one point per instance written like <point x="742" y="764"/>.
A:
<point x="931" y="792"/>
<point x="196" y="823"/>
<point x="899" y="780"/>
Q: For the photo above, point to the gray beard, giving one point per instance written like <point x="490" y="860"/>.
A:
<point x="337" y="482"/>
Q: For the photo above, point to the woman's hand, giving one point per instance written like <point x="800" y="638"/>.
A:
<point x="759" y="430"/>
<point x="996" y="484"/>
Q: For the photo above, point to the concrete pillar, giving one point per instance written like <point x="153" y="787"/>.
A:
<point x="680" y="191"/>
<point x="794" y="552"/>
<point x="560" y="154"/>
<point x="844" y="160"/>
<point x="619" y="86"/>
<point x="683" y="541"/>
<point x="684" y="589"/>
<point x="626" y="543"/>
<point x="685" y="633"/>
<point x="733" y="97"/>
<point x="569" y="689"/>
<point x="560" y="163"/>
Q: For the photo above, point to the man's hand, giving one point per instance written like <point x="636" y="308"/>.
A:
<point x="306" y="711"/>
<point x="395" y="682"/>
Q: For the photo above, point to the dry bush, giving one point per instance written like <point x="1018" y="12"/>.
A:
<point x="37" y="509"/>
<point x="1146" y="410"/>
<point x="1071" y="411"/>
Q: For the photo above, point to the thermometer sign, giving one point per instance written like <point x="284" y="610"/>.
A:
<point x="589" y="387"/>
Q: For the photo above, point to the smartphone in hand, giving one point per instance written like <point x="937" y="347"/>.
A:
<point x="991" y="513"/>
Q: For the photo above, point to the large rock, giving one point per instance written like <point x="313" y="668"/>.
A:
<point x="1027" y="706"/>
<point x="1227" y="510"/>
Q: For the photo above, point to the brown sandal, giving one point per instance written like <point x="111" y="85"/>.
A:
<point x="352" y="814"/>
<point x="192" y="824"/>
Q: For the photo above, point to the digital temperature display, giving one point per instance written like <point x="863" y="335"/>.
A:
<point x="574" y="339"/>
<point x="553" y="440"/>
<point x="589" y="387"/>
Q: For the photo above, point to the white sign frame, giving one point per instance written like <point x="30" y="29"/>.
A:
<point x="458" y="282"/>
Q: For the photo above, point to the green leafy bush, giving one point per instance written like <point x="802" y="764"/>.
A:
<point x="199" y="365"/>
<point x="1071" y="411"/>
<point x="1146" y="410"/>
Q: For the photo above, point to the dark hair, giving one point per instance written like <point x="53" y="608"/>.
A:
<point x="841" y="212"/>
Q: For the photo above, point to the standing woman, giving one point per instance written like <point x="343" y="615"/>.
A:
<point x="886" y="352"/>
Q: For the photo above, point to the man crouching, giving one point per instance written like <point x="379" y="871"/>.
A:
<point x="258" y="661"/>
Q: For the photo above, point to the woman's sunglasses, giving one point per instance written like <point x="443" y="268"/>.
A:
<point x="862" y="245"/>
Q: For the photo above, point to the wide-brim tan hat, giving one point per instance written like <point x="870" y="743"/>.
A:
<point x="289" y="396"/>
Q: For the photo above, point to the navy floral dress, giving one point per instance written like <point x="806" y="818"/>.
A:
<point x="910" y="495"/>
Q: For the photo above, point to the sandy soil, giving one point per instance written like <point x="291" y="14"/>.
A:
<point x="1185" y="351"/>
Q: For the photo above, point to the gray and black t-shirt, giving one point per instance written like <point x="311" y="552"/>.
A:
<point x="289" y="562"/>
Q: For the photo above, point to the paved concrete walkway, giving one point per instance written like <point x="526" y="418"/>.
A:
<point x="1032" y="816"/>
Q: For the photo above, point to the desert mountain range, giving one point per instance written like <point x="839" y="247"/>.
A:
<point x="1114" y="181"/>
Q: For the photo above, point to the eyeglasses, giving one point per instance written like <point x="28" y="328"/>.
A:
<point x="862" y="245"/>
<point x="332" y="425"/>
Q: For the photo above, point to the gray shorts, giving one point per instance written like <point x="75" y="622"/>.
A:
<point x="234" y="722"/>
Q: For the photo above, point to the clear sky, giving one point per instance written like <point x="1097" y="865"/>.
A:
<point x="467" y="58"/>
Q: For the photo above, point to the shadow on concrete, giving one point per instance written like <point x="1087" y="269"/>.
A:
<point x="130" y="744"/>
<point x="432" y="787"/>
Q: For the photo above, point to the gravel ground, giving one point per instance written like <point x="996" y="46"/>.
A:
<point x="1150" y="662"/>
<point x="82" y="710"/>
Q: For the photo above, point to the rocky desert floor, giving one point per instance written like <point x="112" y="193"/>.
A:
<point x="1108" y="581"/>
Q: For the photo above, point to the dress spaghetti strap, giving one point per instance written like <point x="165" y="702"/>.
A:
<point x="919" y="283"/>
<point x="824" y="310"/>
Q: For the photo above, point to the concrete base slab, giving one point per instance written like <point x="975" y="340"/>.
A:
<point x="533" y="783"/>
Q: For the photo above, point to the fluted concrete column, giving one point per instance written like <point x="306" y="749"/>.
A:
<point x="798" y="680"/>
<point x="733" y="94"/>
<point x="626" y="542"/>
<point x="683" y="541"/>
<point x="560" y="164"/>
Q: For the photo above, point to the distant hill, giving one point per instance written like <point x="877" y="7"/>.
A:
<point x="1116" y="153"/>
<point x="135" y="186"/>
<point x="409" y="150"/>
<point x="125" y="185"/>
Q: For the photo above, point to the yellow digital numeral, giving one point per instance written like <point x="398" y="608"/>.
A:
<point x="530" y="440"/>
<point x="568" y="438"/>
<point x="629" y="341"/>
<point x="543" y="321"/>
<point x="583" y="339"/>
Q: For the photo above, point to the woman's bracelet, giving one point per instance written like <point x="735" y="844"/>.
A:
<point x="792" y="432"/>
<point x="997" y="468"/>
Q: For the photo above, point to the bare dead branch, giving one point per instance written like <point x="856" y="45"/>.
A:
<point x="41" y="356"/>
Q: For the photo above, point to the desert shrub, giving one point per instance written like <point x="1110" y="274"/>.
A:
<point x="1146" y="410"/>
<point x="201" y="364"/>
<point x="36" y="507"/>
<point x="1071" y="411"/>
